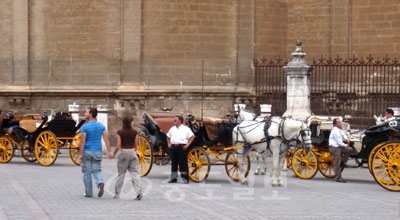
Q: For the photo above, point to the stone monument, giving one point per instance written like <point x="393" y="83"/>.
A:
<point x="298" y="85"/>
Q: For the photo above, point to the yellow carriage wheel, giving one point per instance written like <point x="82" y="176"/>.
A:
<point x="371" y="154"/>
<point x="304" y="164"/>
<point x="198" y="164"/>
<point x="6" y="150"/>
<point x="46" y="148"/>
<point x="145" y="155"/>
<point x="385" y="166"/>
<point x="74" y="148"/>
<point x="28" y="152"/>
<point x="325" y="165"/>
<point x="232" y="166"/>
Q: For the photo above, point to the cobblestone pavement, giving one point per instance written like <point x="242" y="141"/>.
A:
<point x="30" y="191"/>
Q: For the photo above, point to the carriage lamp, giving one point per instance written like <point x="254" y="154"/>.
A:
<point x="236" y="107"/>
<point x="347" y="118"/>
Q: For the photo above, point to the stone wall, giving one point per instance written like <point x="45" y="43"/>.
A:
<point x="345" y="27"/>
<point x="189" y="41"/>
<point x="137" y="55"/>
<point x="75" y="44"/>
<point x="6" y="41"/>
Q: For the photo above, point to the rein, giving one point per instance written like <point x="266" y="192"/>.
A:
<point x="267" y="138"/>
<point x="258" y="123"/>
<point x="281" y="134"/>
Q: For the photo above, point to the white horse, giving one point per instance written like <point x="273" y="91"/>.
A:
<point x="244" y="115"/>
<point x="380" y="119"/>
<point x="274" y="134"/>
<point x="261" y="156"/>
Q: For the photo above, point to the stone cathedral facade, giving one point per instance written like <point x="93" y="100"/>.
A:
<point x="194" y="56"/>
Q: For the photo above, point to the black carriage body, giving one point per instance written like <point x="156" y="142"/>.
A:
<point x="21" y="128"/>
<point x="373" y="136"/>
<point x="39" y="139"/>
<point x="155" y="128"/>
<point x="153" y="131"/>
<point x="212" y="131"/>
<point x="208" y="131"/>
<point x="388" y="131"/>
<point x="213" y="136"/>
<point x="62" y="127"/>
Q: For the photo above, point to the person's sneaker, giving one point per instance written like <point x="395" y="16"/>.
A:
<point x="341" y="180"/>
<point x="173" y="181"/>
<point x="139" y="196"/>
<point x="101" y="189"/>
<point x="116" y="196"/>
<point x="84" y="195"/>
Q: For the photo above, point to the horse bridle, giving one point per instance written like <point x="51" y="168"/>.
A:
<point x="302" y="134"/>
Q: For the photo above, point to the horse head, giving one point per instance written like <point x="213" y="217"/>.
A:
<point x="379" y="119"/>
<point x="246" y="115"/>
<point x="295" y="130"/>
<point x="305" y="136"/>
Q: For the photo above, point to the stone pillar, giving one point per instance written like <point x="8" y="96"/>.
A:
<point x="102" y="116"/>
<point x="298" y="86"/>
<point x="238" y="107"/>
<point x="131" y="45"/>
<point x="20" y="43"/>
<point x="74" y="111"/>
<point x="265" y="110"/>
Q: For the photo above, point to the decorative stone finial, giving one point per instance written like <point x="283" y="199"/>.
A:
<point x="298" y="46"/>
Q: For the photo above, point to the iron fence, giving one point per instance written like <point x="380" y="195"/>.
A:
<point x="361" y="87"/>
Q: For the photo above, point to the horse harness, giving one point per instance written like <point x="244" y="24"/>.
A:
<point x="267" y="137"/>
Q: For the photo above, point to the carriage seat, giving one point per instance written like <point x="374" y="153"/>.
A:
<point x="28" y="124"/>
<point x="155" y="115"/>
<point x="211" y="125"/>
<point x="165" y="123"/>
<point x="318" y="133"/>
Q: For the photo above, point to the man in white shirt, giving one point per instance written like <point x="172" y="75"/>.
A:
<point x="389" y="114"/>
<point x="180" y="137"/>
<point x="339" y="147"/>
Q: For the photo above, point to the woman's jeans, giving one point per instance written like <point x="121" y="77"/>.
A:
<point x="91" y="164"/>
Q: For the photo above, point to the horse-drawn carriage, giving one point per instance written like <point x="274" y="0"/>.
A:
<point x="212" y="145"/>
<point x="38" y="138"/>
<point x="320" y="158"/>
<point x="378" y="147"/>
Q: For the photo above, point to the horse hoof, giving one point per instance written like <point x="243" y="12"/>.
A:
<point x="256" y="172"/>
<point x="274" y="184"/>
<point x="262" y="173"/>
